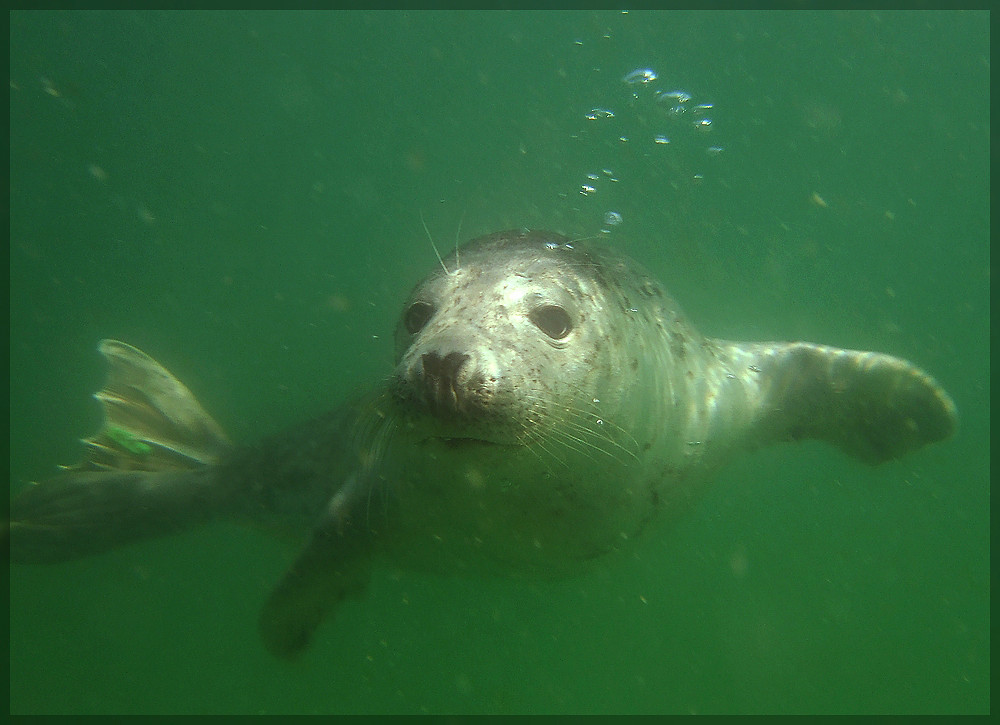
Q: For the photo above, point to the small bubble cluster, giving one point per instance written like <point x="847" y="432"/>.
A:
<point x="590" y="185"/>
<point x="676" y="109"/>
<point x="648" y="119"/>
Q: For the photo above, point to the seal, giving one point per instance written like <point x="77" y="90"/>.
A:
<point x="549" y="401"/>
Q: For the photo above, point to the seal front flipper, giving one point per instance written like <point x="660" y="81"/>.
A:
<point x="873" y="406"/>
<point x="335" y="565"/>
<point x="147" y="472"/>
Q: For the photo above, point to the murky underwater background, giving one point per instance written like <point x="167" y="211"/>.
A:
<point x="240" y="195"/>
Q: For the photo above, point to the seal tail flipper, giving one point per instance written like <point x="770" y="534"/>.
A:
<point x="152" y="422"/>
<point x="335" y="565"/>
<point x="147" y="471"/>
<point x="81" y="513"/>
<point x="874" y="407"/>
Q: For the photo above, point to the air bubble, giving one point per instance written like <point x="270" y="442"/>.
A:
<point x="679" y="96"/>
<point x="640" y="75"/>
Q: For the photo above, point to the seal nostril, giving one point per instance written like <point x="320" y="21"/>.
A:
<point x="440" y="374"/>
<point x="445" y="368"/>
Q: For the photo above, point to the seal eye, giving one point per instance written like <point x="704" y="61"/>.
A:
<point x="418" y="315"/>
<point x="552" y="320"/>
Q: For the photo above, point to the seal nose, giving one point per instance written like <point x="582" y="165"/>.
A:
<point x="440" y="375"/>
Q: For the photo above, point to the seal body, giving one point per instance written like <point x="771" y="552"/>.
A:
<point x="549" y="401"/>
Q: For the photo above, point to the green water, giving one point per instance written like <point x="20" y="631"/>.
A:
<point x="241" y="195"/>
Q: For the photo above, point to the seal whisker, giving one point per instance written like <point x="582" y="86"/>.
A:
<point x="531" y="435"/>
<point x="606" y="424"/>
<point x="583" y="422"/>
<point x="458" y="236"/>
<point x="569" y="432"/>
<point x="531" y="441"/>
<point x="372" y="439"/>
<point x="381" y="447"/>
<point x="591" y="238"/>
<point x="434" y="246"/>
<point x="581" y="446"/>
<point x="596" y="437"/>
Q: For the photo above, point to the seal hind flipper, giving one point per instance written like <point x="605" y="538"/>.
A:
<point x="147" y="472"/>
<point x="81" y="513"/>
<point x="335" y="565"/>
<point x="152" y="422"/>
<point x="873" y="406"/>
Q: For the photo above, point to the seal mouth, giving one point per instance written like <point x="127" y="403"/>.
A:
<point x="466" y="443"/>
